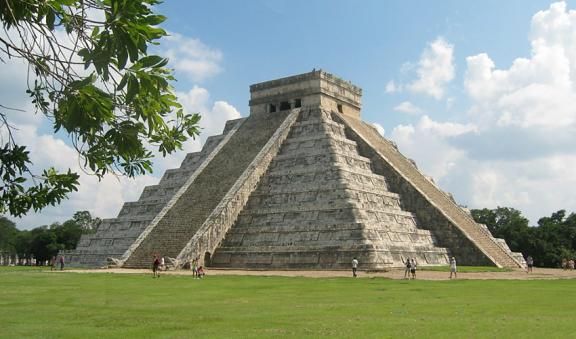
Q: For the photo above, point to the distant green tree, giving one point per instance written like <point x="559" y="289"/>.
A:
<point x="8" y="234"/>
<point x="86" y="222"/>
<point x="43" y="244"/>
<point x="553" y="239"/>
<point x="68" y="234"/>
<point x="24" y="244"/>
<point x="91" y="74"/>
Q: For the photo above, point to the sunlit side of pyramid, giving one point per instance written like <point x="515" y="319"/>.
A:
<point x="301" y="183"/>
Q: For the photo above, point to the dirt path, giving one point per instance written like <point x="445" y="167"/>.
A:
<point x="539" y="273"/>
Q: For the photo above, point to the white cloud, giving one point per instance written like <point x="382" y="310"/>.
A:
<point x="426" y="142"/>
<point x="191" y="57"/>
<point x="102" y="198"/>
<point x="435" y="69"/>
<point x="517" y="147"/>
<point x="391" y="87"/>
<point x="537" y="91"/>
<point x="379" y="128"/>
<point x="408" y="108"/>
<point x="445" y="129"/>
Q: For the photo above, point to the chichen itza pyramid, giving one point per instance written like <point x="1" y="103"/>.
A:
<point x="302" y="183"/>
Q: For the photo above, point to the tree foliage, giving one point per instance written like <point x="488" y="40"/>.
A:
<point x="92" y="75"/>
<point x="553" y="239"/>
<point x="44" y="242"/>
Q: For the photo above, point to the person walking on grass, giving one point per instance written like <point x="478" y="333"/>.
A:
<point x="354" y="267"/>
<point x="529" y="264"/>
<point x="413" y="266"/>
<point x="453" y="268"/>
<point x="156" y="267"/>
<point x="407" y="266"/>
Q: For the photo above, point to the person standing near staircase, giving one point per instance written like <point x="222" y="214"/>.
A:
<point x="354" y="267"/>
<point x="453" y="268"/>
<point x="156" y="267"/>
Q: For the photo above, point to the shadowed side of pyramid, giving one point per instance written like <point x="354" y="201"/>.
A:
<point x="114" y="236"/>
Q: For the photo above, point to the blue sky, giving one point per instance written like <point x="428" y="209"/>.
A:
<point x="479" y="93"/>
<point x="366" y="42"/>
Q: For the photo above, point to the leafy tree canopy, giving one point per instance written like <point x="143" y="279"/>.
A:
<point x="90" y="73"/>
<point x="553" y="239"/>
<point x="44" y="242"/>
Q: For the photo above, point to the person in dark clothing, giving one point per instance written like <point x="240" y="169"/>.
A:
<point x="156" y="267"/>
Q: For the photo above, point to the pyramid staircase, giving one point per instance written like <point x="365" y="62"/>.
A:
<point x="172" y="229"/>
<point x="427" y="198"/>
<point x="319" y="205"/>
<point x="114" y="236"/>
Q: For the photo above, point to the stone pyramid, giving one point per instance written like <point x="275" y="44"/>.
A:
<point x="302" y="183"/>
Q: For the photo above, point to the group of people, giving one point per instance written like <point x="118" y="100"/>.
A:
<point x="159" y="265"/>
<point x="410" y="268"/>
<point x="54" y="260"/>
<point x="567" y="264"/>
<point x="197" y="271"/>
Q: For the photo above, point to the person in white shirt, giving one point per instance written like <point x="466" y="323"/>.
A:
<point x="413" y="266"/>
<point x="453" y="268"/>
<point x="354" y="266"/>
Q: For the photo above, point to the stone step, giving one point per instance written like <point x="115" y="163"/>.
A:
<point x="169" y="236"/>
<point x="117" y="235"/>
<point x="438" y="198"/>
<point x="315" y="157"/>
<point x="267" y="190"/>
<point x="332" y="171"/>
<point x="324" y="195"/>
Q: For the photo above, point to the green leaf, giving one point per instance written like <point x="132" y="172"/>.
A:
<point x="150" y="61"/>
<point x="50" y="18"/>
<point x="133" y="88"/>
<point x="123" y="82"/>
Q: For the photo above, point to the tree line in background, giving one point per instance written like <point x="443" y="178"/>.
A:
<point x="553" y="239"/>
<point x="42" y="243"/>
<point x="549" y="242"/>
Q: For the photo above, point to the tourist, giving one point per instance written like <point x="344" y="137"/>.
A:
<point x="407" y="269"/>
<point x="61" y="262"/>
<point x="53" y="263"/>
<point x="200" y="272"/>
<point x="354" y="267"/>
<point x="413" y="268"/>
<point x="155" y="267"/>
<point x="453" y="268"/>
<point x="195" y="268"/>
<point x="530" y="264"/>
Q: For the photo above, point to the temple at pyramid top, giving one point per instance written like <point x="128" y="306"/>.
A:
<point x="314" y="89"/>
<point x="301" y="183"/>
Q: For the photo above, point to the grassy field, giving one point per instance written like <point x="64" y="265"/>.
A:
<point x="54" y="305"/>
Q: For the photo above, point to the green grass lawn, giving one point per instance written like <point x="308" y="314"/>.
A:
<point x="54" y="305"/>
